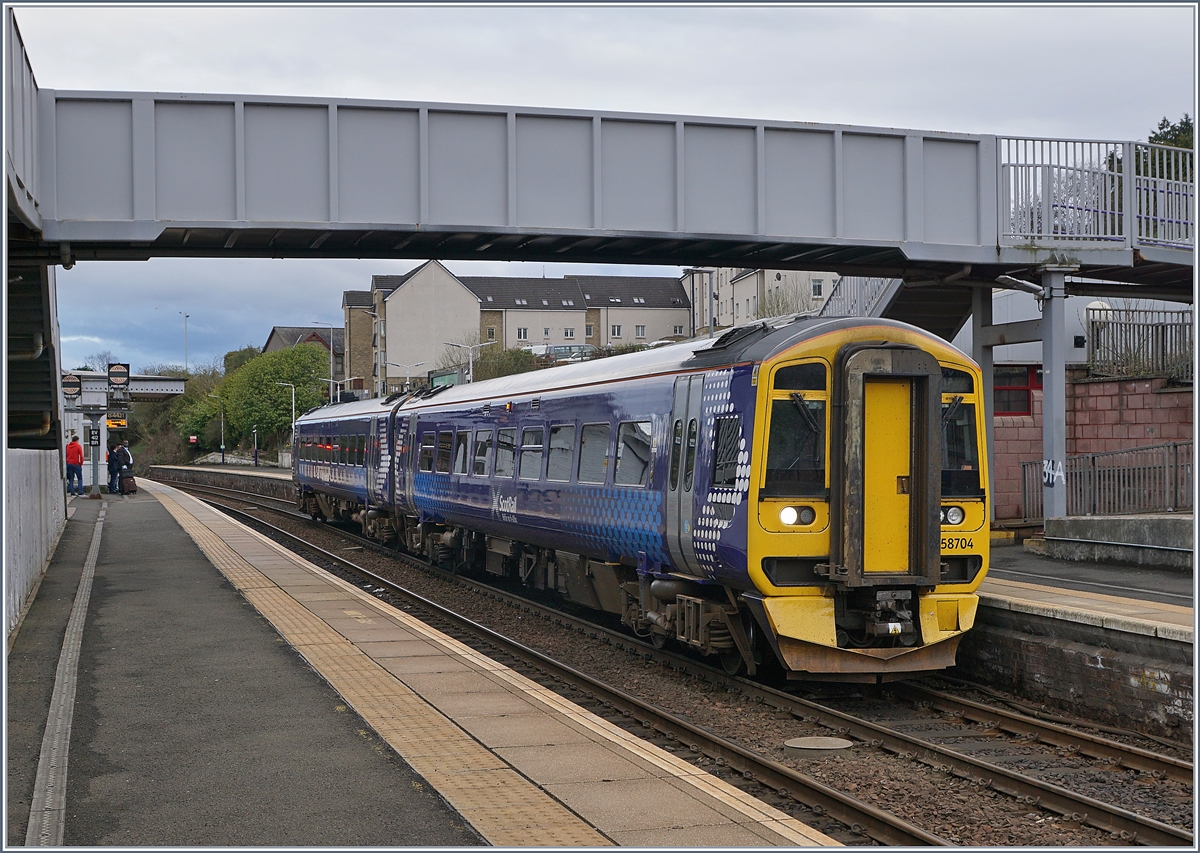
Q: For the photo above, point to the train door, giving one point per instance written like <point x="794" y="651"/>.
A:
<point x="887" y="474"/>
<point x="886" y="466"/>
<point x="683" y="438"/>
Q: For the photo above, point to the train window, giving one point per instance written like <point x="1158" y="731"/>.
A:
<point x="676" y="452"/>
<point x="960" y="450"/>
<point x="801" y="377"/>
<point x="593" y="453"/>
<point x="727" y="436"/>
<point x="326" y="444"/>
<point x="362" y="451"/>
<point x="444" y="446"/>
<point x="633" y="454"/>
<point x="339" y="450"/>
<point x="506" y="440"/>
<point x="428" y="440"/>
<point x="483" y="449"/>
<point x="562" y="448"/>
<point x="957" y="381"/>
<point x="531" y="454"/>
<point x="689" y="466"/>
<point x="796" y="448"/>
<point x="462" y="447"/>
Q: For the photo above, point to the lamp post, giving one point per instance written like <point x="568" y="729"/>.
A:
<point x="185" y="348"/>
<point x="342" y="382"/>
<point x="255" y="431"/>
<point x="407" y="370"/>
<point x="293" y="387"/>
<point x="470" y="348"/>
<point x="222" y="402"/>
<point x="330" y="325"/>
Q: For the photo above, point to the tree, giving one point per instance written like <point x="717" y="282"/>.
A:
<point x="1177" y="135"/>
<point x="100" y="361"/>
<point x="252" y="399"/>
<point x="790" y="298"/>
<point x="492" y="361"/>
<point x="236" y="358"/>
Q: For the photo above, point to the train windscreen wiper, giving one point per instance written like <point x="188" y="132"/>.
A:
<point x="809" y="420"/>
<point x="951" y="410"/>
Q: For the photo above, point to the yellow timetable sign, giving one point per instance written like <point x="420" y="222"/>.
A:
<point x="116" y="423"/>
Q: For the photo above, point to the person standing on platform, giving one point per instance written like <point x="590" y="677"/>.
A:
<point x="114" y="469"/>
<point x="75" y="465"/>
<point x="124" y="461"/>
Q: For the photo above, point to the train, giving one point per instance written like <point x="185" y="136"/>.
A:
<point x="806" y="495"/>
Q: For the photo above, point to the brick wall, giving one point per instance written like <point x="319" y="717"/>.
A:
<point x="1102" y="415"/>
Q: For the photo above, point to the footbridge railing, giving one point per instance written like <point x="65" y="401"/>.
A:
<point x="1075" y="191"/>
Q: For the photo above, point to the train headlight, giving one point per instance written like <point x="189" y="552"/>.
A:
<point x="953" y="515"/>
<point x="790" y="515"/>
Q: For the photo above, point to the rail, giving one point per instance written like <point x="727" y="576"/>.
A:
<point x="1076" y="191"/>
<point x="1128" y="342"/>
<point x="1154" y="478"/>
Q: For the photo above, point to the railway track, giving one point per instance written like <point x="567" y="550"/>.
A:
<point x="955" y="719"/>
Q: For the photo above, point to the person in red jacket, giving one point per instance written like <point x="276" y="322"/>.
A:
<point x="75" y="465"/>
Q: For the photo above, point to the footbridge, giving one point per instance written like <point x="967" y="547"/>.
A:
<point x="95" y="176"/>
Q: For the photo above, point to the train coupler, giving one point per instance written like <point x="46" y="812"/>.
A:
<point x="892" y="616"/>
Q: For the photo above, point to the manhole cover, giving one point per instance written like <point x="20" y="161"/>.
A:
<point x="816" y="747"/>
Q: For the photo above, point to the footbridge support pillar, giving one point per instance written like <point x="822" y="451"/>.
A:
<point x="1054" y="391"/>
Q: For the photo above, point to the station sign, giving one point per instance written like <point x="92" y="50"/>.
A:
<point x="118" y="375"/>
<point x="92" y="436"/>
<point x="72" y="385"/>
<point x="116" y="422"/>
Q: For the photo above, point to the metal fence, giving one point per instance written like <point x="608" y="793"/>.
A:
<point x="1072" y="190"/>
<point x="855" y="296"/>
<point x="1155" y="478"/>
<point x="1127" y="342"/>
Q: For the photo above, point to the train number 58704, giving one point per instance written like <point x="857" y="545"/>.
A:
<point x="956" y="543"/>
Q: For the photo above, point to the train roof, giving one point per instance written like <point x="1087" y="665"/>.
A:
<point x="338" y="411"/>
<point x="752" y="342"/>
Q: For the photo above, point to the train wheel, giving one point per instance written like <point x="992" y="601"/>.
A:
<point x="732" y="662"/>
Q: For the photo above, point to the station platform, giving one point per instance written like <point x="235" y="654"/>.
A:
<point x="225" y="692"/>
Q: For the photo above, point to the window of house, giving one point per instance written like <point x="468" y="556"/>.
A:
<point x="531" y="454"/>
<point x="593" y="453"/>
<point x="816" y="286"/>
<point x="562" y="448"/>
<point x="491" y="333"/>
<point x="489" y="299"/>
<point x="483" y="449"/>
<point x="522" y="334"/>
<point x="506" y="440"/>
<point x="521" y="301"/>
<point x="546" y="332"/>
<point x="569" y="334"/>
<point x="633" y="454"/>
<point x="1013" y="386"/>
<point x="425" y="462"/>
<point x="462" y="447"/>
<point x="614" y="332"/>
<point x="588" y="331"/>
<point x="639" y="331"/>
<point x="677" y="330"/>
<point x="546" y="302"/>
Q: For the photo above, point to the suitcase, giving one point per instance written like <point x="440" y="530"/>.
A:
<point x="128" y="484"/>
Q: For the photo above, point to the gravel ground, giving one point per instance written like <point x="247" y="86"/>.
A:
<point x="939" y="802"/>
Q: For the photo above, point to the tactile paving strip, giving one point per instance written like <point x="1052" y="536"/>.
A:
<point x="460" y="769"/>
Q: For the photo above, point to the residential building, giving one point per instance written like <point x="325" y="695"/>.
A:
<point x="422" y="311"/>
<point x="282" y="337"/>
<point x="742" y="295"/>
<point x="358" y="316"/>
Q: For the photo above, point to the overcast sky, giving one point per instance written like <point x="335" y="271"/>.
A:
<point x="1075" y="71"/>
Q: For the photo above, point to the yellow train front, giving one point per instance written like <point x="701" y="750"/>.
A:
<point x="868" y="531"/>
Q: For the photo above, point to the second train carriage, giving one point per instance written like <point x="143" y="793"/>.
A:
<point x="814" y="491"/>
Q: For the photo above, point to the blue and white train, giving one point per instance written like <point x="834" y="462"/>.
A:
<point x="812" y="491"/>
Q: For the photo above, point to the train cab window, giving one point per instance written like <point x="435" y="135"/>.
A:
<point x="727" y="435"/>
<point x="483" y="449"/>
<point x="801" y="377"/>
<point x="425" y="462"/>
<point x="796" y="448"/>
<point x="957" y="381"/>
<point x="676" y="452"/>
<point x="444" y="447"/>
<point x="633" y="454"/>
<point x="506" y="452"/>
<point x="562" y="449"/>
<point x="531" y="454"/>
<point x="689" y="466"/>
<point x="960" y="450"/>
<point x="593" y="453"/>
<point x="462" y="447"/>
